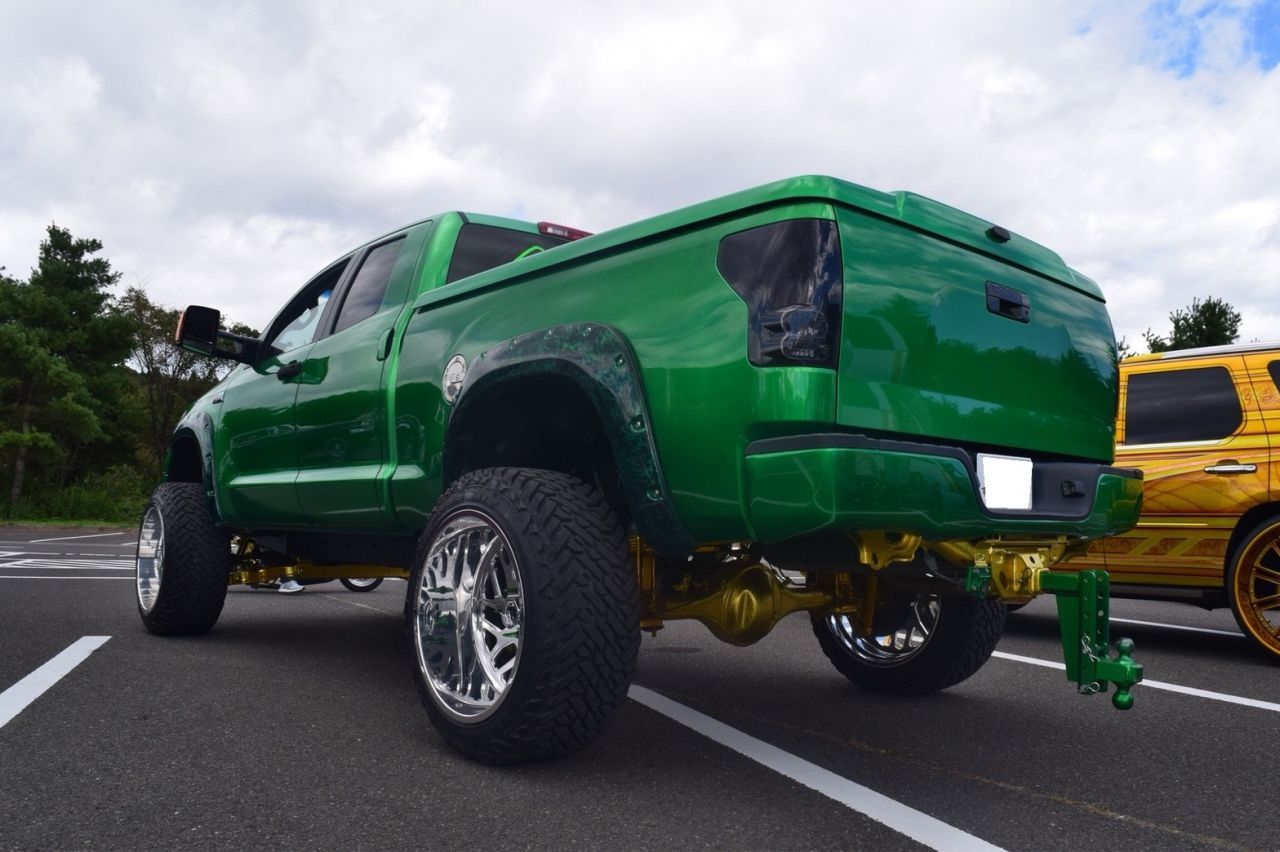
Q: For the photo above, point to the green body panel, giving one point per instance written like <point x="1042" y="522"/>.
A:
<point x="806" y="491"/>
<point x="922" y="354"/>
<point x="367" y="440"/>
<point x="255" y="449"/>
<point x="341" y="415"/>
<point x="687" y="329"/>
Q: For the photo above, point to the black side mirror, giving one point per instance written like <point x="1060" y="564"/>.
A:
<point x="198" y="329"/>
<point x="198" y="332"/>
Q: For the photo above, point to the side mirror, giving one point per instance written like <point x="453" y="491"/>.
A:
<point x="198" y="332"/>
<point x="198" y="329"/>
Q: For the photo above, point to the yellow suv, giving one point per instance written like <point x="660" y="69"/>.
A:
<point x="1201" y="425"/>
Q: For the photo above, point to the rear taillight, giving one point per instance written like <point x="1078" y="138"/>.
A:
<point x="790" y="275"/>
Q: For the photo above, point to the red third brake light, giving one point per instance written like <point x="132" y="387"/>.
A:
<point x="553" y="230"/>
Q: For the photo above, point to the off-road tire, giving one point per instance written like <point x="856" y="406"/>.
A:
<point x="579" y="634"/>
<point x="195" y="562"/>
<point x="961" y="641"/>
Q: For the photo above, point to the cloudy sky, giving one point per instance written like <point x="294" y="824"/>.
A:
<point x="225" y="151"/>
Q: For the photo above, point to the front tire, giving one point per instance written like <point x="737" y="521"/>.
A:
<point x="1253" y="585"/>
<point x="524" y="615"/>
<point x="182" y="564"/>
<point x="932" y="643"/>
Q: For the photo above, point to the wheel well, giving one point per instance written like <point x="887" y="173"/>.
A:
<point x="545" y="422"/>
<point x="1247" y="522"/>
<point x="184" y="461"/>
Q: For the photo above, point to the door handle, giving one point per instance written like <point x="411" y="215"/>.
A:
<point x="1231" y="466"/>
<point x="288" y="371"/>
<point x="1008" y="302"/>
<point x="384" y="344"/>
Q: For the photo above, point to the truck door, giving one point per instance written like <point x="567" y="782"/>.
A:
<point x="255" y="448"/>
<point x="341" y="410"/>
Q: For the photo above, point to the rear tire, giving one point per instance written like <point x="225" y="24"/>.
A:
<point x="183" y="562"/>
<point x="1253" y="585"/>
<point x="363" y="584"/>
<point x="935" y="643"/>
<point x="524" y="615"/>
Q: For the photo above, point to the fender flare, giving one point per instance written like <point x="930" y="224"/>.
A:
<point x="197" y="426"/>
<point x="597" y="359"/>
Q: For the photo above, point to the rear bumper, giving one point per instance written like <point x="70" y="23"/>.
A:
<point x="837" y="481"/>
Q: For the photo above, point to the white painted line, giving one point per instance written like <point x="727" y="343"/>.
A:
<point x="53" y="577"/>
<point x="74" y="537"/>
<point x="71" y="564"/>
<point x="1234" y="633"/>
<point x="16" y="698"/>
<point x="917" y="825"/>
<point x="1156" y="684"/>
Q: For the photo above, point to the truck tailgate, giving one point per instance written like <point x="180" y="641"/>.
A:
<point x="956" y="336"/>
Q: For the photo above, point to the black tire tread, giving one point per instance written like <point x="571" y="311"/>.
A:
<point x="967" y="632"/>
<point x="576" y="567"/>
<point x="197" y="561"/>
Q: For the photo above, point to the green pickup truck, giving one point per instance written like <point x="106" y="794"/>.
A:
<point x="808" y="396"/>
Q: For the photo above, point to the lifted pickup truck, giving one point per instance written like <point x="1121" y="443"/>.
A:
<point x="808" y="396"/>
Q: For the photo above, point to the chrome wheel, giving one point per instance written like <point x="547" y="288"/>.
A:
<point x="890" y="649"/>
<point x="361" y="584"/>
<point x="150" y="563"/>
<point x="468" y="616"/>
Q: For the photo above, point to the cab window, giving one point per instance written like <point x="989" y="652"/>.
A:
<point x="1199" y="404"/>
<point x="481" y="247"/>
<point x="366" y="295"/>
<point x="297" y="323"/>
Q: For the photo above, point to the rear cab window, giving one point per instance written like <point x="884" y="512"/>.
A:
<point x="480" y="247"/>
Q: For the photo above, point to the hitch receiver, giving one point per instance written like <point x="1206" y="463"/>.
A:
<point x="1084" y="608"/>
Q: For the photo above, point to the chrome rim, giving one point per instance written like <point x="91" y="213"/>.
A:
<point x="362" y="582"/>
<point x="890" y="649"/>
<point x="150" y="565"/>
<point x="468" y="616"/>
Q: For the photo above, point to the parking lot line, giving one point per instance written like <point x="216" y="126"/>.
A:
<point x="1235" y="633"/>
<point x="1156" y="684"/>
<point x="73" y="537"/>
<point x="55" y="577"/>
<point x="16" y="698"/>
<point x="917" y="825"/>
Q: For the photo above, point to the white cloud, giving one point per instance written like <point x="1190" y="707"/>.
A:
<point x="223" y="152"/>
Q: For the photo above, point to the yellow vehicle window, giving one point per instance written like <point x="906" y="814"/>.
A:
<point x="1199" y="404"/>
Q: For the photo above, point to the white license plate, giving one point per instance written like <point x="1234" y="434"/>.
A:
<point x="1005" y="481"/>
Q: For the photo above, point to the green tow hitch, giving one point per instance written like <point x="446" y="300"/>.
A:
<point x="1084" y="617"/>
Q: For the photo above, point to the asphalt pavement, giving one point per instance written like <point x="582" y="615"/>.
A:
<point x="294" y="724"/>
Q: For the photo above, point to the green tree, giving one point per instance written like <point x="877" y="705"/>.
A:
<point x="62" y="344"/>
<point x="168" y="377"/>
<point x="1212" y="322"/>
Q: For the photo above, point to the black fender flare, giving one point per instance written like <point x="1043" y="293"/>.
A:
<point x="598" y="359"/>
<point x="196" y="426"/>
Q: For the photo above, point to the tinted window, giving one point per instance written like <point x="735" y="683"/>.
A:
<point x="365" y="295"/>
<point x="481" y="247"/>
<point x="1274" y="369"/>
<point x="298" y="322"/>
<point x="1181" y="405"/>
